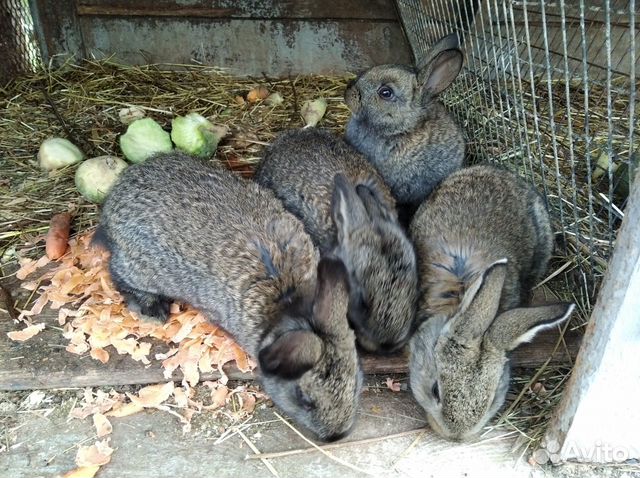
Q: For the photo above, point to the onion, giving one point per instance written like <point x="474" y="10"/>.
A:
<point x="196" y="135"/>
<point x="56" y="153"/>
<point x="144" y="138"/>
<point x="96" y="176"/>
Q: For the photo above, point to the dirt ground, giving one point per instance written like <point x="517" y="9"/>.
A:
<point x="41" y="440"/>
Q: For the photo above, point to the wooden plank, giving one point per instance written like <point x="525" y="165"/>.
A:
<point x="248" y="47"/>
<point x="598" y="418"/>
<point x="281" y="9"/>
<point x="175" y="11"/>
<point x="57" y="30"/>
<point x="43" y="362"/>
<point x="273" y="37"/>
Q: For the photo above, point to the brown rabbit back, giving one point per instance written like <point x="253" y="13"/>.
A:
<point x="300" y="167"/>
<point x="481" y="214"/>
<point x="179" y="228"/>
<point x="349" y="212"/>
<point x="483" y="239"/>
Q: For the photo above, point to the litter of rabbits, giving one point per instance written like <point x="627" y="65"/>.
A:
<point x="82" y="103"/>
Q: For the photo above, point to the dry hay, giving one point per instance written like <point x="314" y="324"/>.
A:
<point x="81" y="102"/>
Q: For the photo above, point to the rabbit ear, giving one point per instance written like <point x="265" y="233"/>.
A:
<point x="374" y="203"/>
<point x="517" y="326"/>
<point x="332" y="297"/>
<point x="349" y="213"/>
<point x="479" y="304"/>
<point x="447" y="42"/>
<point x="441" y="66"/>
<point x="291" y="354"/>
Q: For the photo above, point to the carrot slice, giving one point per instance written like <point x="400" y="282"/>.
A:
<point x="58" y="235"/>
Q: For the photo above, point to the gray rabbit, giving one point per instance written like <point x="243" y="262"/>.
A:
<point x="348" y="211"/>
<point x="402" y="128"/>
<point x="483" y="239"/>
<point x="179" y="228"/>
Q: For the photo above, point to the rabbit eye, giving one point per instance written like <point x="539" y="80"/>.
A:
<point x="385" y="93"/>
<point x="304" y="400"/>
<point x="436" y="391"/>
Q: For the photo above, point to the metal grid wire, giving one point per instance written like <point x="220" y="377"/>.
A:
<point x="18" y="48"/>
<point x="548" y="90"/>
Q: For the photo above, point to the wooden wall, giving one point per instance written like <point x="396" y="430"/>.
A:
<point x="274" y="37"/>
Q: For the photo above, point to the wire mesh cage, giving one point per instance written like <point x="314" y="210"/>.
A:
<point x="18" y="47"/>
<point x="548" y="90"/>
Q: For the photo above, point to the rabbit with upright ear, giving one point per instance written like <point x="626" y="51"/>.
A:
<point x="179" y="228"/>
<point x="349" y="212"/>
<point x="483" y="239"/>
<point x="402" y="128"/>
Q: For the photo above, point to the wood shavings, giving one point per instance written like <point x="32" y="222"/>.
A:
<point x="26" y="333"/>
<point x="125" y="410"/>
<point x="181" y="397"/>
<point x="27" y="266"/>
<point x="33" y="400"/>
<point x="102" y="424"/>
<point x="219" y="394"/>
<point x="247" y="398"/>
<point x="258" y="93"/>
<point x="99" y="402"/>
<point x="83" y="472"/>
<point x="393" y="385"/>
<point x="94" y="317"/>
<point x="248" y="401"/>
<point x="153" y="395"/>
<point x="103" y="406"/>
<point x="100" y="354"/>
<point x="97" y="454"/>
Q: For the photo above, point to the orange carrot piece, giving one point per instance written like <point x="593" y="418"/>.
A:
<point x="58" y="235"/>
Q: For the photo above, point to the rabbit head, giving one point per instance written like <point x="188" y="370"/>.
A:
<point x="459" y="370"/>
<point x="392" y="98"/>
<point x="310" y="368"/>
<point x="382" y="266"/>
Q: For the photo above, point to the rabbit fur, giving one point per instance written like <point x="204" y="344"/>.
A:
<point x="402" y="128"/>
<point x="181" y="229"/>
<point x="483" y="239"/>
<point x="349" y="212"/>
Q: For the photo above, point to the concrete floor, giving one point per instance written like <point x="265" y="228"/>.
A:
<point x="41" y="443"/>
